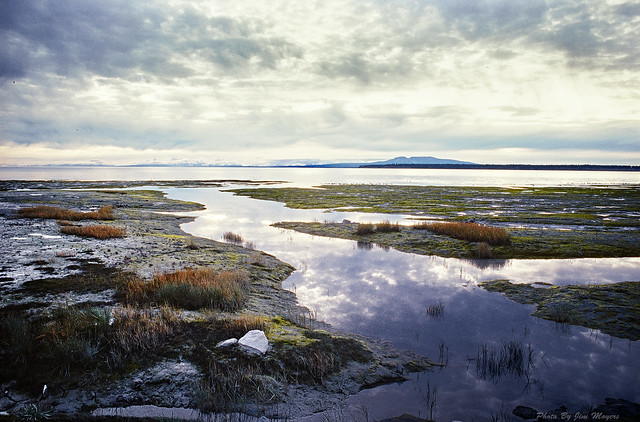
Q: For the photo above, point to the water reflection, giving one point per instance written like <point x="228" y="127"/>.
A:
<point x="385" y="294"/>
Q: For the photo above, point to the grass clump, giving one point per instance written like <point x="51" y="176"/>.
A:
<point x="135" y="331"/>
<point x="100" y="231"/>
<point x="57" y="213"/>
<point x="69" y="343"/>
<point x="387" y="227"/>
<point x="364" y="229"/>
<point x="472" y="232"/>
<point x="324" y="356"/>
<point x="191" y="289"/>
<point x="232" y="237"/>
<point x="510" y="359"/>
<point x="483" y="250"/>
<point x="435" y="310"/>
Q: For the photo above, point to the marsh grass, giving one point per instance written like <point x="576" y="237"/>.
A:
<point x="100" y="231"/>
<point x="364" y="229"/>
<point x="327" y="355"/>
<point x="435" y="310"/>
<point x="302" y="317"/>
<point x="57" y="213"/>
<point x="510" y="359"/>
<point x="233" y="238"/>
<point x="387" y="227"/>
<point x="34" y="412"/>
<point x="136" y="332"/>
<point x="190" y="289"/>
<point x="560" y="313"/>
<point x="483" y="250"/>
<point x="192" y="244"/>
<point x="472" y="232"/>
<point x="68" y="343"/>
<point x="73" y="336"/>
<point x="232" y="379"/>
<point x="229" y="385"/>
<point x="240" y="325"/>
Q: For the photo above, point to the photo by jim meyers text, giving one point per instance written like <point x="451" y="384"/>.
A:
<point x="595" y="416"/>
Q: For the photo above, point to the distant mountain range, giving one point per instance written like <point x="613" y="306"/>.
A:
<point x="397" y="163"/>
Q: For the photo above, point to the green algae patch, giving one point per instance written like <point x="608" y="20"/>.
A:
<point x="310" y="356"/>
<point x="405" y="240"/>
<point x="546" y="222"/>
<point x="611" y="308"/>
<point x="588" y="206"/>
<point x="284" y="333"/>
<point x="524" y="243"/>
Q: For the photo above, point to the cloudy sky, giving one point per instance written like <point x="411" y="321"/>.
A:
<point x="253" y="81"/>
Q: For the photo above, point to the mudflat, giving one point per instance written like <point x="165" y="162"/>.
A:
<point x="93" y="321"/>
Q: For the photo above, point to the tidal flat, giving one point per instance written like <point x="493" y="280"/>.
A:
<point x="542" y="222"/>
<point x="613" y="309"/>
<point x="75" y="339"/>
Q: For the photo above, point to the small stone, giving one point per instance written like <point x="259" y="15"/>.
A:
<point x="254" y="342"/>
<point x="525" y="412"/>
<point x="228" y="343"/>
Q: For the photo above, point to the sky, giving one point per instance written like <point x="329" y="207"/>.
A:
<point x="268" y="82"/>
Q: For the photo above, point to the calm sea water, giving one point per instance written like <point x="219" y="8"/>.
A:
<point x="315" y="176"/>
<point x="385" y="294"/>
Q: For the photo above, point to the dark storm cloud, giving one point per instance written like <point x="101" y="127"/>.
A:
<point x="629" y="9"/>
<point x="114" y="39"/>
<point x="590" y="35"/>
<point x="71" y="37"/>
<point x="488" y="19"/>
<point x="364" y="69"/>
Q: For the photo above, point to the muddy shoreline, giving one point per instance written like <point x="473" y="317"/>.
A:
<point x="43" y="269"/>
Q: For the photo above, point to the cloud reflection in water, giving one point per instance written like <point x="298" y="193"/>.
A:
<point x="383" y="293"/>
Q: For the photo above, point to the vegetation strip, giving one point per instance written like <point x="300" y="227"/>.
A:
<point x="612" y="308"/>
<point x="190" y="289"/>
<point x="527" y="222"/>
<point x="57" y="213"/>
<point x="95" y="231"/>
<point x="592" y="206"/>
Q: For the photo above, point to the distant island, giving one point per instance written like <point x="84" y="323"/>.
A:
<point x="397" y="161"/>
<point x="572" y="167"/>
<point x="441" y="163"/>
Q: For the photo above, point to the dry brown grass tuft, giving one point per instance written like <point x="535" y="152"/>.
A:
<point x="483" y="250"/>
<point x="242" y="324"/>
<point x="233" y="238"/>
<point x="136" y="330"/>
<point x="191" y="289"/>
<point x="96" y="231"/>
<point x="472" y="232"/>
<point x="387" y="227"/>
<point x="57" y="213"/>
<point x="365" y="229"/>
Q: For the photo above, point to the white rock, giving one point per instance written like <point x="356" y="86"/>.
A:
<point x="227" y="343"/>
<point x="254" y="341"/>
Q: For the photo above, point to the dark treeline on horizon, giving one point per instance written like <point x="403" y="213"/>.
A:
<point x="574" y="167"/>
